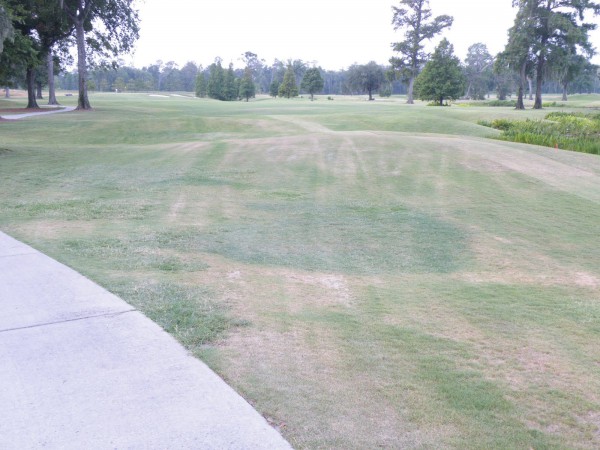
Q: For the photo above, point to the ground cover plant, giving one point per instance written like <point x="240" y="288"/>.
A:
<point x="367" y="274"/>
<point x="566" y="130"/>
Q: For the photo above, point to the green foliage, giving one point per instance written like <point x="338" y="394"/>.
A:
<point x="544" y="29"/>
<point x="312" y="82"/>
<point x="386" y="91"/>
<point x="288" y="88"/>
<point x="230" y="89"/>
<point x="415" y="18"/>
<point x="442" y="78"/>
<point x="510" y="103"/>
<point x="274" y="88"/>
<point x="216" y="81"/>
<point x="569" y="131"/>
<point x="247" y="88"/>
<point x="366" y="78"/>
<point x="201" y="86"/>
<point x="478" y="71"/>
<point x="6" y="28"/>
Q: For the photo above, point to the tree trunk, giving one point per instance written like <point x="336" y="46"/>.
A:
<point x="564" y="92"/>
<point x="530" y="83"/>
<point x="411" y="86"/>
<point x="51" y="86"/>
<point x="538" y="88"/>
<point x="38" y="90"/>
<point x="82" y="101"/>
<point x="6" y="92"/>
<point x="441" y="101"/>
<point x="520" y="92"/>
<point x="31" y="102"/>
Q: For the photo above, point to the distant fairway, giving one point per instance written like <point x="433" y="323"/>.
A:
<point x="367" y="274"/>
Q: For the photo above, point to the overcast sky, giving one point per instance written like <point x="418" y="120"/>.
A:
<point x="332" y="33"/>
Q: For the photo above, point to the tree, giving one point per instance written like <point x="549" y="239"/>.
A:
<point x="18" y="57"/>
<point x="442" y="77"/>
<point x="201" y="87"/>
<point x="188" y="76"/>
<point x="478" y="71"/>
<point x="7" y="31"/>
<point x="288" y="87"/>
<point x="107" y="27"/>
<point x="551" y="25"/>
<point x="414" y="17"/>
<point x="366" y="78"/>
<point x="274" y="88"/>
<point x="247" y="88"/>
<point x="216" y="81"/>
<point x="517" y="57"/>
<point x="312" y="82"/>
<point x="230" y="90"/>
<point x="585" y="80"/>
<point x="566" y="66"/>
<point x="504" y="79"/>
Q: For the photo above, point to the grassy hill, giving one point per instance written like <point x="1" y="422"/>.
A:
<point x="367" y="274"/>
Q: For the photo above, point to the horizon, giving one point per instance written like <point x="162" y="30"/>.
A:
<point x="335" y="46"/>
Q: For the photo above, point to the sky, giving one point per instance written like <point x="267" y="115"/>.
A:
<point x="332" y="34"/>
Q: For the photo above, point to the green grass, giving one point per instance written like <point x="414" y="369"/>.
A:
<point x="367" y="274"/>
<point x="572" y="131"/>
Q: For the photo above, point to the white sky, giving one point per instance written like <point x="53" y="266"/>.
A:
<point x="332" y="33"/>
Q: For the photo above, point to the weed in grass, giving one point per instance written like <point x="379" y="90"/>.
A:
<point x="189" y="313"/>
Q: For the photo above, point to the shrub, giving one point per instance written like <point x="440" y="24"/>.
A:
<point x="511" y="103"/>
<point x="568" y="131"/>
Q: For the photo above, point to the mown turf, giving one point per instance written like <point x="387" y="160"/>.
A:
<point x="368" y="274"/>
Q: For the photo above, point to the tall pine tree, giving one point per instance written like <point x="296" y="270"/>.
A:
<point x="414" y="17"/>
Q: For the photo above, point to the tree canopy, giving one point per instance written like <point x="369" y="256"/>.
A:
<point x="544" y="27"/>
<point x="6" y="29"/>
<point x="442" y="77"/>
<point x="107" y="27"/>
<point x="366" y="77"/>
<point x="312" y="82"/>
<point x="288" y="88"/>
<point x="415" y="18"/>
<point x="478" y="71"/>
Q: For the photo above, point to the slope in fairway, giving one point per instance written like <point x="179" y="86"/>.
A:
<point x="366" y="273"/>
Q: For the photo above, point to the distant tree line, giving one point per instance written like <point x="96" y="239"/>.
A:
<point x="547" y="51"/>
<point x="482" y="75"/>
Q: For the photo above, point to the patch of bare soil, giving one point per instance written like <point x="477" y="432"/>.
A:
<point x="54" y="229"/>
<point x="499" y="265"/>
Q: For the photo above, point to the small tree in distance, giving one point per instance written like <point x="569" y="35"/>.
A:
<point x="312" y="82"/>
<point x="247" y="88"/>
<point x="288" y="88"/>
<point x="442" y="78"/>
<point x="366" y="78"/>
<point x="200" y="85"/>
<point x="274" y="88"/>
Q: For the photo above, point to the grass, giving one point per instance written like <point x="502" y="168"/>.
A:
<point x="367" y="274"/>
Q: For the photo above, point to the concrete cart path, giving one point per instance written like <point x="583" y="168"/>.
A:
<point x="80" y="368"/>
<point x="42" y="113"/>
